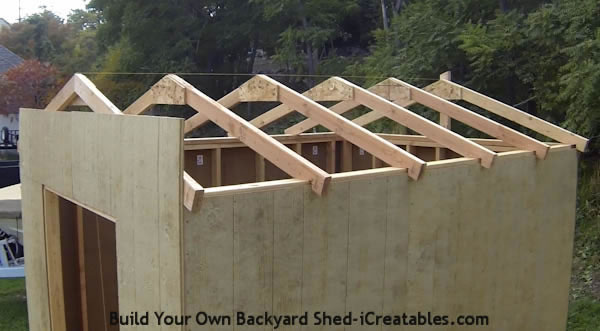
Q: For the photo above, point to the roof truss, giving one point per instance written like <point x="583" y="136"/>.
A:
<point x="81" y="91"/>
<point x="259" y="86"/>
<point x="174" y="90"/>
<point x="387" y="99"/>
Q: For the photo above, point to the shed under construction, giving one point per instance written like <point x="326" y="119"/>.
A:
<point x="122" y="214"/>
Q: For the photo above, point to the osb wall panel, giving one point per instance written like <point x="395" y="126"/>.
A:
<point x="126" y="167"/>
<point x="461" y="240"/>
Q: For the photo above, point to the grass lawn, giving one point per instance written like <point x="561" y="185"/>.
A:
<point x="13" y="306"/>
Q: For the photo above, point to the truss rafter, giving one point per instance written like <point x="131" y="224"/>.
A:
<point x="211" y="110"/>
<point x="81" y="91"/>
<point x="375" y="145"/>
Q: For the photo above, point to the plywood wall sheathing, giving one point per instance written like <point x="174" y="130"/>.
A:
<point x="373" y="243"/>
<point x="126" y="167"/>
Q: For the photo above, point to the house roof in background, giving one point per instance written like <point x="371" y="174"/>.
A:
<point x="8" y="60"/>
<point x="4" y="22"/>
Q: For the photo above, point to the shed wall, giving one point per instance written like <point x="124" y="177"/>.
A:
<point x="127" y="168"/>
<point x="461" y="240"/>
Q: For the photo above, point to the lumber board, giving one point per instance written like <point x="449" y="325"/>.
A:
<point x="419" y="124"/>
<point x="64" y="97"/>
<point x="391" y="92"/>
<point x="259" y="141"/>
<point x="209" y="260"/>
<point x="348" y="130"/>
<point x="121" y="168"/>
<point x="366" y="246"/>
<point x="325" y="252"/>
<point x="288" y="244"/>
<point x="520" y="117"/>
<point x="329" y="90"/>
<point x="56" y="293"/>
<point x="199" y="119"/>
<point x="374" y="242"/>
<point x="253" y="253"/>
<point x="88" y="92"/>
<point x="476" y="121"/>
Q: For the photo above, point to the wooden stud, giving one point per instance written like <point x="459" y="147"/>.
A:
<point x="54" y="258"/>
<point x="520" y="117"/>
<point x="476" y="121"/>
<point x="260" y="168"/>
<point x="216" y="167"/>
<point x="192" y="193"/>
<point x="445" y="121"/>
<point x="330" y="167"/>
<point x="346" y="156"/>
<point x="82" y="269"/>
<point x="359" y="136"/>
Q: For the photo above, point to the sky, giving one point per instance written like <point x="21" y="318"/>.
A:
<point x="9" y="9"/>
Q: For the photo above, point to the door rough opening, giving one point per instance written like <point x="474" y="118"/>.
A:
<point x="82" y="266"/>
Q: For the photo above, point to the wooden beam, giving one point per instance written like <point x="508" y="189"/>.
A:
<point x="330" y="162"/>
<point x="192" y="193"/>
<point x="422" y="125"/>
<point x="56" y="291"/>
<point x="216" y="167"/>
<point x="384" y="89"/>
<point x="168" y="90"/>
<point x="81" y="88"/>
<point x="262" y="143"/>
<point x="522" y="118"/>
<point x="229" y="101"/>
<point x="329" y="90"/>
<point x="476" y="121"/>
<point x="391" y="154"/>
<point x="260" y="168"/>
<point x="445" y="121"/>
<point x="88" y="92"/>
<point x="373" y="116"/>
<point x="64" y="97"/>
<point x="346" y="156"/>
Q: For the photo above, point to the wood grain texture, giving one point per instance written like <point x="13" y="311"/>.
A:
<point x="462" y="240"/>
<point x="128" y="168"/>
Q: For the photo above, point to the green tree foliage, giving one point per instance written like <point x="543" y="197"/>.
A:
<point x="71" y="46"/>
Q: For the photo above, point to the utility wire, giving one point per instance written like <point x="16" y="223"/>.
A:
<point x="224" y="74"/>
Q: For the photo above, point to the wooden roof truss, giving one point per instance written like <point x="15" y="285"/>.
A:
<point x="388" y="98"/>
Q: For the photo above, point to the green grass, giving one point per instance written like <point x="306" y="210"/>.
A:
<point x="584" y="315"/>
<point x="13" y="306"/>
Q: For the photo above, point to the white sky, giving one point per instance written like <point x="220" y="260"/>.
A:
<point x="9" y="9"/>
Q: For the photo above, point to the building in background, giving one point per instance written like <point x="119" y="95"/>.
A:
<point x="8" y="60"/>
<point x="4" y="24"/>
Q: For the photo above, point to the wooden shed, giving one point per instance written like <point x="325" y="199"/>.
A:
<point x="122" y="214"/>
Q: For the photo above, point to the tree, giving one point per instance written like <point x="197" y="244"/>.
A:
<point x="30" y="85"/>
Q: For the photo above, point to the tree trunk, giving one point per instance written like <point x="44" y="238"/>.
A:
<point x="398" y="6"/>
<point x="253" y="55"/>
<point x="386" y="25"/>
<point x="310" y="56"/>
